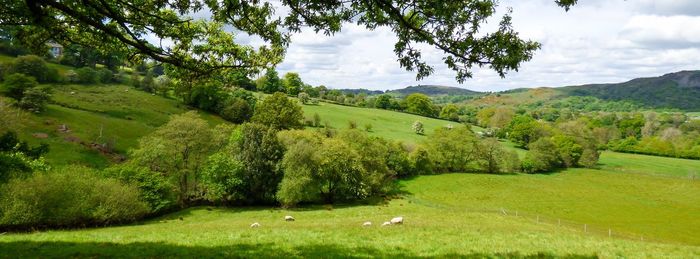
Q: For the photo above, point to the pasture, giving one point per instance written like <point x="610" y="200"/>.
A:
<point x="385" y="123"/>
<point x="446" y="215"/>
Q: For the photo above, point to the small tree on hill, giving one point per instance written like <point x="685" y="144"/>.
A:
<point x="418" y="128"/>
<point x="304" y="98"/>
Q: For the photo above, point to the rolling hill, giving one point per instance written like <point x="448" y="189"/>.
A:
<point x="680" y="90"/>
<point x="433" y="90"/>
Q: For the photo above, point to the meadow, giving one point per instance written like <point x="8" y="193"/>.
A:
<point x="115" y="114"/>
<point x="650" y="204"/>
<point x="450" y="215"/>
<point x="385" y="123"/>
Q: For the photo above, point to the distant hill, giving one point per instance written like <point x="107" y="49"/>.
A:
<point x="680" y="90"/>
<point x="361" y="91"/>
<point x="433" y="90"/>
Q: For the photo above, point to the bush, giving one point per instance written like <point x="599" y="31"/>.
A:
<point x="223" y="179"/>
<point x="35" y="99"/>
<point x="15" y="85"/>
<point x="279" y="112"/>
<point x="304" y="98"/>
<point x="417" y="127"/>
<point x="453" y="150"/>
<point x="542" y="157"/>
<point x="36" y="67"/>
<point x="420" y="162"/>
<point x="155" y="189"/>
<point x="86" y="75"/>
<point x="72" y="196"/>
<point x="104" y="75"/>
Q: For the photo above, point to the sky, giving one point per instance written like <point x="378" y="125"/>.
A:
<point x="597" y="41"/>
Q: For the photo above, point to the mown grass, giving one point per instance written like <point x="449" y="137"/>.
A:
<point x="452" y="215"/>
<point x="115" y="114"/>
<point x="385" y="123"/>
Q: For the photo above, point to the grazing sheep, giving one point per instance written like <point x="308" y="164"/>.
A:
<point x="288" y="218"/>
<point x="367" y="224"/>
<point x="386" y="224"/>
<point x="255" y="225"/>
<point x="397" y="220"/>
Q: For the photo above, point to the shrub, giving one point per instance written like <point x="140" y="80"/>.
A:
<point x="420" y="161"/>
<point x="368" y="127"/>
<point x="452" y="150"/>
<point x="317" y="120"/>
<point x="35" y="99"/>
<point x="104" y="75"/>
<point x="303" y="97"/>
<point x="177" y="150"/>
<point x="352" y="124"/>
<point x="36" y="67"/>
<point x="542" y="157"/>
<point x="418" y="128"/>
<point x="279" y="112"/>
<point x="155" y="189"/>
<point x="223" y="179"/>
<point x="87" y="75"/>
<point x="147" y="83"/>
<point x="72" y="196"/>
<point x="15" y="85"/>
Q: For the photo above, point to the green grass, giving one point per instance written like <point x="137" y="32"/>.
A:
<point x="447" y="215"/>
<point x="385" y="123"/>
<point x="119" y="113"/>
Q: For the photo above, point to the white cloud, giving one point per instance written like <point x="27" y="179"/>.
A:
<point x="661" y="32"/>
<point x="597" y="41"/>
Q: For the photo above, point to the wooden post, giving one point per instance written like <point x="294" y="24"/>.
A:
<point x="585" y="228"/>
<point x="609" y="232"/>
<point x="516" y="213"/>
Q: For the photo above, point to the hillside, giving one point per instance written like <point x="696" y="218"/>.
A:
<point x="679" y="90"/>
<point x="432" y="90"/>
<point x="81" y="115"/>
<point x="496" y="216"/>
<point x="385" y="123"/>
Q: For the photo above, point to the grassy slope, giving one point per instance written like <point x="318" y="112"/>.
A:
<point x="121" y="113"/>
<point x="387" y="124"/>
<point x="445" y="215"/>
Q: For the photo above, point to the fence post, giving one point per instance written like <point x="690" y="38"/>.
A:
<point x="516" y="213"/>
<point x="609" y="232"/>
<point x="585" y="228"/>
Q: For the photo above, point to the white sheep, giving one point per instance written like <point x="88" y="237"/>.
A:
<point x="386" y="224"/>
<point x="397" y="220"/>
<point x="367" y="224"/>
<point x="255" y="225"/>
<point x="288" y="218"/>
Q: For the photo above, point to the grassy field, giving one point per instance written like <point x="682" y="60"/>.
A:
<point x="445" y="215"/>
<point x="103" y="113"/>
<point x="650" y="204"/>
<point x="385" y="123"/>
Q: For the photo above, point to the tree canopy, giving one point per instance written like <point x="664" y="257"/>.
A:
<point x="194" y="35"/>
